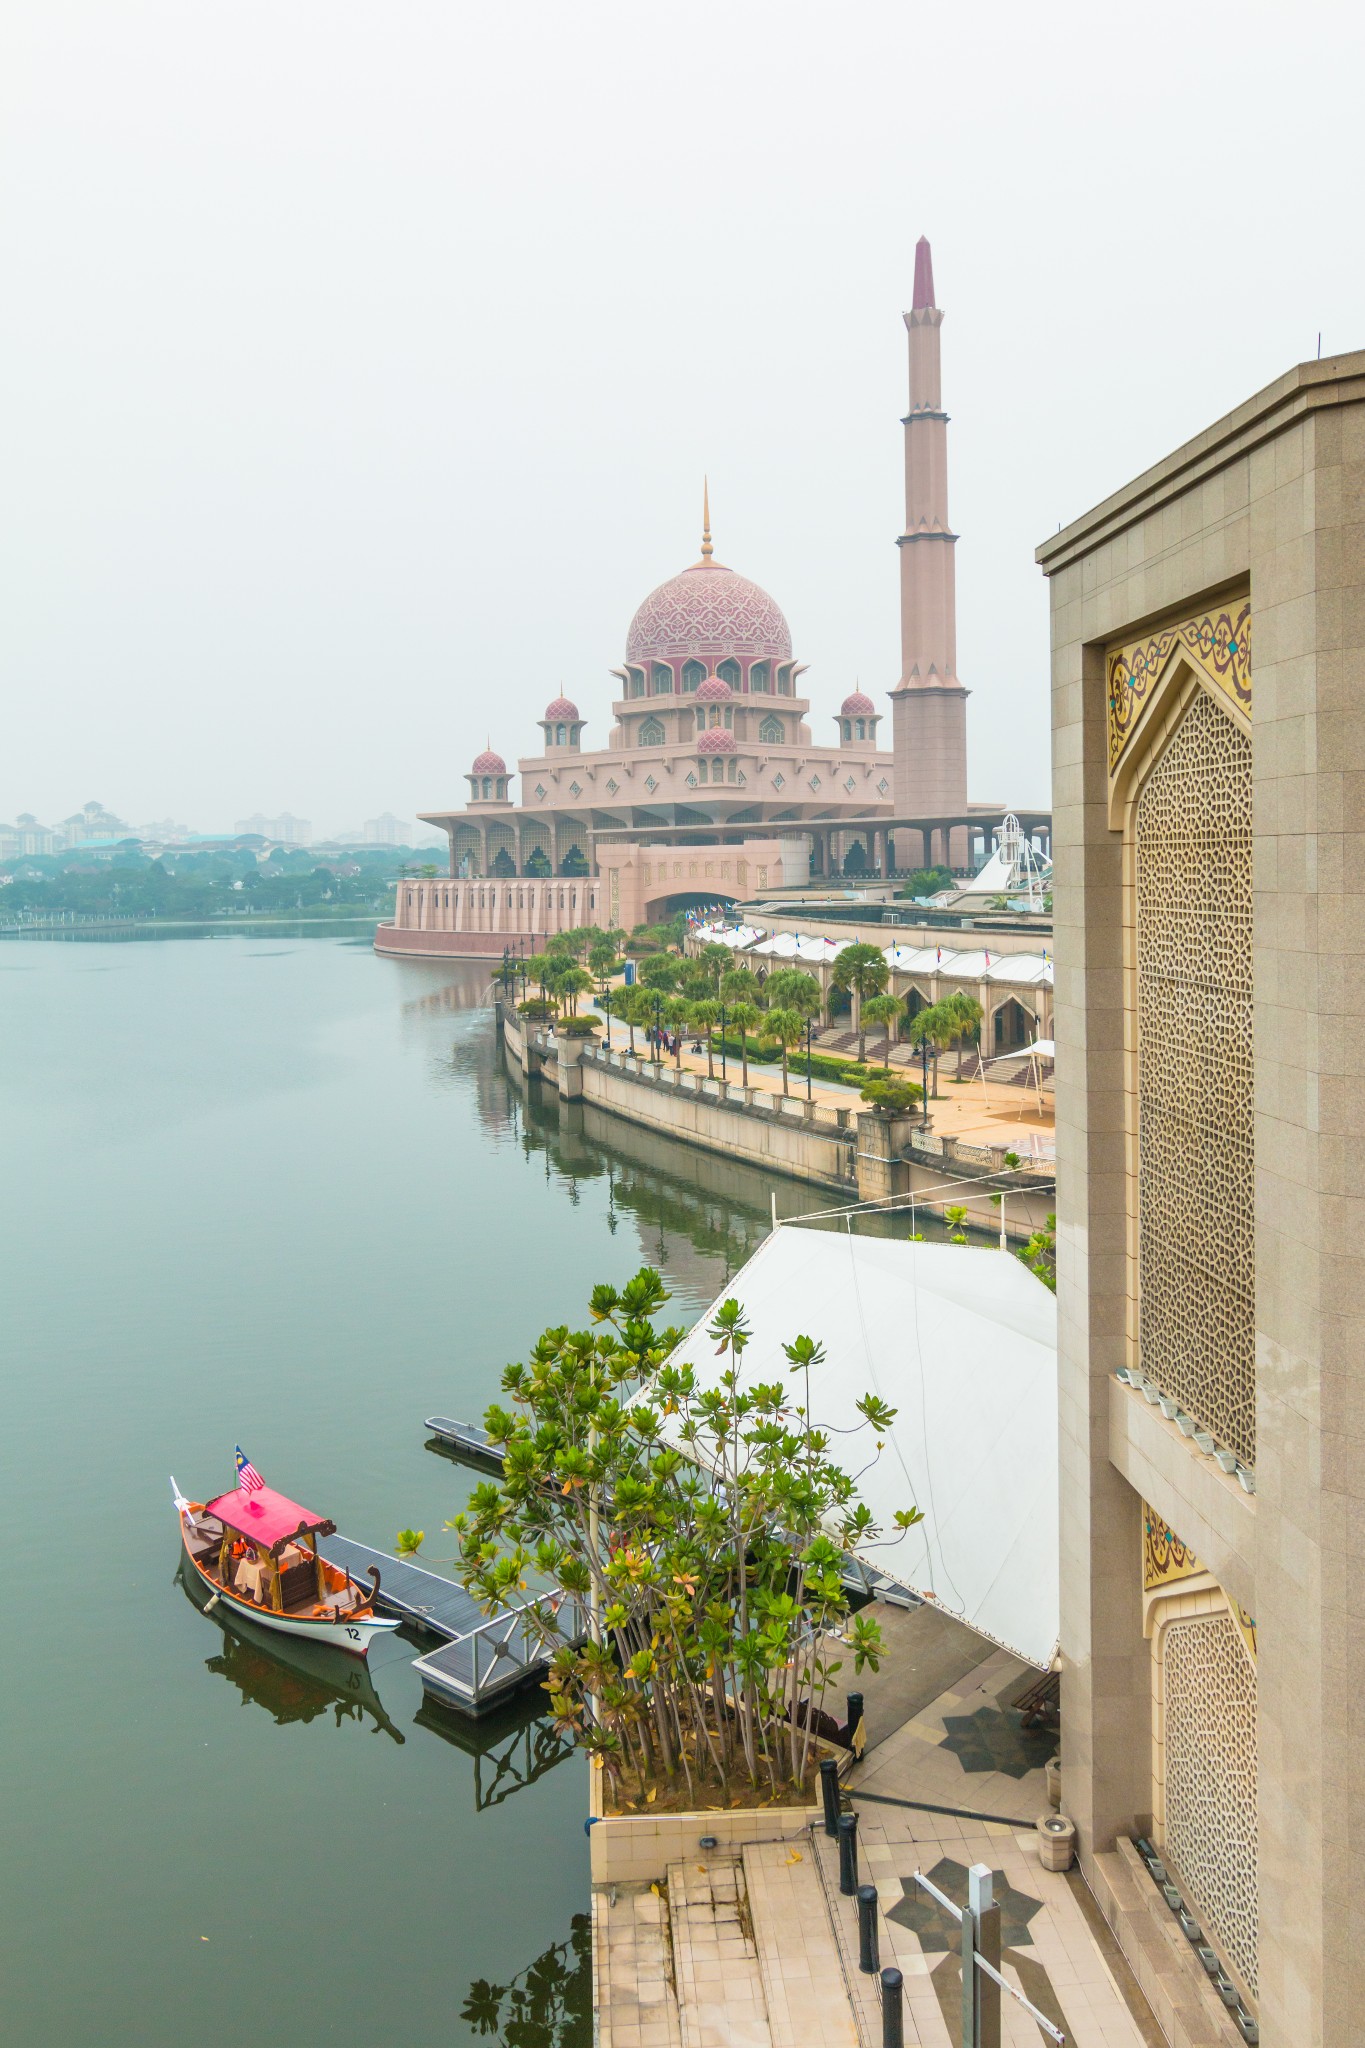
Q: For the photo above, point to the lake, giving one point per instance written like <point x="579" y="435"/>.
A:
<point x="280" y="1192"/>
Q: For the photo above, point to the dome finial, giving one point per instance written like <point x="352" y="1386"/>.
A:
<point x="705" y="519"/>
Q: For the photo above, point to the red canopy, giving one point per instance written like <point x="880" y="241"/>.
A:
<point x="266" y="1516"/>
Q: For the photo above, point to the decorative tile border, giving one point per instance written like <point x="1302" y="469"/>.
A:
<point x="1217" y="642"/>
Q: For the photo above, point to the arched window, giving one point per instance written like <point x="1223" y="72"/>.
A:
<point x="663" y="680"/>
<point x="758" y="677"/>
<point x="488" y="785"/>
<point x="730" y="714"/>
<point x="561" y="736"/>
<point x="784" y="682"/>
<point x="651" y="732"/>
<point x="502" y="789"/>
<point x="693" y="675"/>
<point x="729" y="673"/>
<point x="846" y="727"/>
<point x="772" y="732"/>
<point x="862" y="728"/>
<point x="701" y="771"/>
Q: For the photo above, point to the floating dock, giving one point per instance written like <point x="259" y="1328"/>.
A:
<point x="467" y="1439"/>
<point x="482" y="1658"/>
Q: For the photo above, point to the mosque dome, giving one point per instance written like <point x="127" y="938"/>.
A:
<point x="857" y="705"/>
<point x="560" y="707"/>
<point x="708" y="610"/>
<point x="489" y="763"/>
<point x="718" y="740"/>
<point x="715" y="690"/>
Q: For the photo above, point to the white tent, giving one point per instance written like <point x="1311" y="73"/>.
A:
<point x="962" y="1342"/>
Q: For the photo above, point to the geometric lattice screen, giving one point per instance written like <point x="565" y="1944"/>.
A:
<point x="1196" y="1241"/>
<point x="1210" y="1833"/>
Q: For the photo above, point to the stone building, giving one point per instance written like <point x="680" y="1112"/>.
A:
<point x="1208" y="630"/>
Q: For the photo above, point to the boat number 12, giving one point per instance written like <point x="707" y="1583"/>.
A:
<point x="354" y="1634"/>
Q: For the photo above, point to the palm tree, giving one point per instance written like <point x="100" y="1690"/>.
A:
<point x="888" y="1010"/>
<point x="740" y="985"/>
<point x="704" y="1016"/>
<point x="791" y="988"/>
<point x="675" y="1014"/>
<point x="745" y="1017"/>
<point x="628" y="1006"/>
<point x="969" y="1015"/>
<point x="573" y="983"/>
<point x="861" y="971"/>
<point x="716" y="959"/>
<point x="788" y="1027"/>
<point x="935" y="1027"/>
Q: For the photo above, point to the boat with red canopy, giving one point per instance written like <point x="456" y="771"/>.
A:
<point x="257" y="1552"/>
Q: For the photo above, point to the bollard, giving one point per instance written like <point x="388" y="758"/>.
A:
<point x="855" y="1718"/>
<point x="848" y="1854"/>
<point x="829" y="1792"/>
<point x="868" y="1961"/>
<point x="893" y="2010"/>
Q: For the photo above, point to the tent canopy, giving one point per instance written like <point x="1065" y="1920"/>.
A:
<point x="962" y="1342"/>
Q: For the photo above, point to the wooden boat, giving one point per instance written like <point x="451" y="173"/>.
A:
<point x="258" y="1554"/>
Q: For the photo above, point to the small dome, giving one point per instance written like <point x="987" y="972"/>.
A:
<point x="560" y="707"/>
<point x="489" y="763"/>
<point x="714" y="690"/>
<point x="716" y="741"/>
<point x="857" y="706"/>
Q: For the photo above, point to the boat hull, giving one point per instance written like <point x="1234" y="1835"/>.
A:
<point x="353" y="1634"/>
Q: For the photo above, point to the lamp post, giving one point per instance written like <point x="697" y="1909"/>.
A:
<point x="924" y="1077"/>
<point x="658" y="1005"/>
<point x="810" y="1026"/>
<point x="722" y="1042"/>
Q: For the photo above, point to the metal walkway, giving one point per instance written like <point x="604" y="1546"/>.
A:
<point x="467" y="1438"/>
<point x="482" y="1659"/>
<point x="405" y="1589"/>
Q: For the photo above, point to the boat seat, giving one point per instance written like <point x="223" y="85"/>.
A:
<point x="298" y="1585"/>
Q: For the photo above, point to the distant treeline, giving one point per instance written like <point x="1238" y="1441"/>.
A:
<point x="195" y="885"/>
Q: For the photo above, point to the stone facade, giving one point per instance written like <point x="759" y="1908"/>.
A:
<point x="1248" y="1442"/>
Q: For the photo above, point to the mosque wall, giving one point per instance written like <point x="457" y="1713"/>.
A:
<point x="1210" y="950"/>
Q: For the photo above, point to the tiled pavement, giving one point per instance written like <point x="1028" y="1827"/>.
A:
<point x="966" y="1749"/>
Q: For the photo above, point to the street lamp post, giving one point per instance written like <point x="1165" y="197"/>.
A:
<point x="658" y="1005"/>
<point x="924" y="1079"/>
<point x="722" y="1044"/>
<point x="810" y="1027"/>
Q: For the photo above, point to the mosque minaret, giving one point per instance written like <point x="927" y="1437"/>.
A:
<point x="928" y="704"/>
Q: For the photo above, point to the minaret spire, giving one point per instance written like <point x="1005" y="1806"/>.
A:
<point x="929" y="703"/>
<point x="705" y="519"/>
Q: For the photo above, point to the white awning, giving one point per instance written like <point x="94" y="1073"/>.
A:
<point x="962" y="1342"/>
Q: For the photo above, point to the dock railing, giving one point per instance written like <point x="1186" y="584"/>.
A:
<point x="521" y="1639"/>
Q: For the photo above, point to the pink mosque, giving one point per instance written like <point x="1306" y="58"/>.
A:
<point x="712" y="784"/>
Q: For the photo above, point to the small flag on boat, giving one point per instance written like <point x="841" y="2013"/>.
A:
<point x="248" y="1478"/>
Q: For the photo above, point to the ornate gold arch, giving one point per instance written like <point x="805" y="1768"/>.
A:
<point x="1216" y="642"/>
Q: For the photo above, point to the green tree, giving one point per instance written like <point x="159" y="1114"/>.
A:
<point x="955" y="1215"/>
<point x="676" y="1010"/>
<point x="659" y="973"/>
<point x="788" y="1027"/>
<point x="745" y="1017"/>
<point x="893" y="1096"/>
<point x="968" y="1016"/>
<point x="573" y="983"/>
<point x="703" y="1017"/>
<point x="888" y="1010"/>
<point x="1040" y="1253"/>
<point x="705" y="1528"/>
<point x="717" y="960"/>
<point x="861" y="971"/>
<point x="934" y="1027"/>
<point x="740" y="985"/>
<point x="791" y="988"/>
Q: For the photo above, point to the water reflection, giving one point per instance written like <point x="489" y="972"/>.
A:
<point x="512" y="1748"/>
<point x="293" y="1681"/>
<point x="547" y="2005"/>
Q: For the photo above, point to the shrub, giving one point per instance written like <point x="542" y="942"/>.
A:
<point x="892" y="1097"/>
<point x="580" y="1027"/>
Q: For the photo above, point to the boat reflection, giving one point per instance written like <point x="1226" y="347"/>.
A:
<point x="293" y="1680"/>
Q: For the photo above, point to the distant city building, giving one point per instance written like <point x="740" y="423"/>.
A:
<point x="164" y="832"/>
<point x="386" y="830"/>
<point x="26" y="835"/>
<point x="92" y="821"/>
<point x="286" y="830"/>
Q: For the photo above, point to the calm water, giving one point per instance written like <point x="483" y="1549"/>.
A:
<point x="279" y="1191"/>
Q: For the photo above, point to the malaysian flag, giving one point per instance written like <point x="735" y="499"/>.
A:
<point x="248" y="1478"/>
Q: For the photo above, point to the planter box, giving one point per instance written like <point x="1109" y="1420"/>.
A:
<point x="637" y="1848"/>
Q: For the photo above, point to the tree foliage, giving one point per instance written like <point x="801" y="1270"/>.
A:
<point x="705" y="1528"/>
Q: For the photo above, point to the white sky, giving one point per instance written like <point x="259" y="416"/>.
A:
<point x="361" y="363"/>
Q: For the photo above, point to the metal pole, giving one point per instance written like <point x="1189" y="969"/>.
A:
<point x="855" y="1716"/>
<point x="967" y="1928"/>
<point x="722" y="1044"/>
<point x="1003" y="1244"/>
<point x="848" y="1854"/>
<point x="893" y="2009"/>
<point x="868" y="1961"/>
<point x="829" y="1793"/>
<point x="986" y="1914"/>
<point x="810" y="1025"/>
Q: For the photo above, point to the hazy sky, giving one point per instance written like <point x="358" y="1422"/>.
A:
<point x="361" y="363"/>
